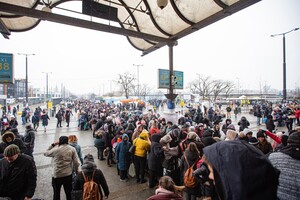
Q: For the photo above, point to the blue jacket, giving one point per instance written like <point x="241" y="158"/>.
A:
<point x="122" y="154"/>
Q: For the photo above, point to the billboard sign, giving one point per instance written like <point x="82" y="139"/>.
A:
<point x="164" y="79"/>
<point x="6" y="68"/>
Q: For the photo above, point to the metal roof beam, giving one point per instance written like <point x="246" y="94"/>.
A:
<point x="23" y="11"/>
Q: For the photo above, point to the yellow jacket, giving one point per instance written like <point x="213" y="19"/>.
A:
<point x="142" y="144"/>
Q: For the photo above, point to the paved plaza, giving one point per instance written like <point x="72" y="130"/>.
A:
<point x="118" y="190"/>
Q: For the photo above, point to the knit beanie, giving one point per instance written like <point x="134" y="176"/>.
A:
<point x="294" y="138"/>
<point x="11" y="150"/>
<point x="253" y="141"/>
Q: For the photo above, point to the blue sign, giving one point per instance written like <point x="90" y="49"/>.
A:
<point x="164" y="79"/>
<point x="6" y="68"/>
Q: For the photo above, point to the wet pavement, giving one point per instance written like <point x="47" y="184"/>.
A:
<point x="118" y="190"/>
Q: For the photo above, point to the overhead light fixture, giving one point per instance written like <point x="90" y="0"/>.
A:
<point x="162" y="3"/>
<point x="46" y="9"/>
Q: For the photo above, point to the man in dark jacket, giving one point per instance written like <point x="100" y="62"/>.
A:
<point x="237" y="176"/>
<point x="29" y="138"/>
<point x="88" y="168"/>
<point x="18" y="174"/>
<point x="155" y="160"/>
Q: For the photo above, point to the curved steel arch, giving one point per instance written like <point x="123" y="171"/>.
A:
<point x="221" y="4"/>
<point x="134" y="21"/>
<point x="154" y="22"/>
<point x="180" y="15"/>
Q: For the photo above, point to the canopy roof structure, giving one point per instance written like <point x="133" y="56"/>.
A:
<point x="148" y="24"/>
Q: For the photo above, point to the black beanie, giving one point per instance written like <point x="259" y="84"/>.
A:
<point x="63" y="140"/>
<point x="294" y="138"/>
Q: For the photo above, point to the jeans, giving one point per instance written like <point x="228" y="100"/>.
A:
<point x="258" y="120"/>
<point x="66" y="182"/>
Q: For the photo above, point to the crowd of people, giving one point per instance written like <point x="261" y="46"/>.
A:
<point x="228" y="161"/>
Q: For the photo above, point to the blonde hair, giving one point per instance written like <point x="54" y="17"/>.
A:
<point x="72" y="138"/>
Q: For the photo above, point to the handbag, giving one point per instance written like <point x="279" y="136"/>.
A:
<point x="132" y="148"/>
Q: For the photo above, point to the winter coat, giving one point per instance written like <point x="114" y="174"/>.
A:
<point x="297" y="114"/>
<point x="122" y="154"/>
<point x="243" y="123"/>
<point x="99" y="142"/>
<point x="18" y="180"/>
<point x="88" y="168"/>
<point x="270" y="123"/>
<point x="265" y="147"/>
<point x="287" y="161"/>
<point x="16" y="141"/>
<point x="65" y="160"/>
<point x="45" y="119"/>
<point x="142" y="144"/>
<point x="156" y="154"/>
<point x="192" y="158"/>
<point x="163" y="194"/>
<point x="236" y="172"/>
<point x="78" y="150"/>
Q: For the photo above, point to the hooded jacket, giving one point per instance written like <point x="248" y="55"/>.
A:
<point x="122" y="153"/>
<point x="156" y="154"/>
<point x="88" y="167"/>
<point x="241" y="171"/>
<point x="142" y="144"/>
<point x="16" y="141"/>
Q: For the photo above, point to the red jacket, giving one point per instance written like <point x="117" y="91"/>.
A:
<point x="297" y="114"/>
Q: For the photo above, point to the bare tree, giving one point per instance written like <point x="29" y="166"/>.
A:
<point x="219" y="86"/>
<point x="201" y="86"/>
<point x="126" y="83"/>
<point x="145" y="90"/>
<point x="229" y="88"/>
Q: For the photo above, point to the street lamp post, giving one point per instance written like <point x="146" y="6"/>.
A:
<point x="47" y="94"/>
<point x="138" y="79"/>
<point x="284" y="62"/>
<point x="26" y="84"/>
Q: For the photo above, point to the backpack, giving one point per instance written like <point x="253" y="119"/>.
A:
<point x="189" y="180"/>
<point x="90" y="188"/>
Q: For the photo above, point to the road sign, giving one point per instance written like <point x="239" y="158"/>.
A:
<point x="6" y="68"/>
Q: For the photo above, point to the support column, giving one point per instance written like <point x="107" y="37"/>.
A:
<point x="171" y="96"/>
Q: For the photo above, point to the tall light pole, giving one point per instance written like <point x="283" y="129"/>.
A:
<point x="47" y="94"/>
<point x="284" y="63"/>
<point x="26" y="84"/>
<point x="138" y="79"/>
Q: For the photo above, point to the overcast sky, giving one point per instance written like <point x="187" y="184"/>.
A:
<point x="238" y="48"/>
